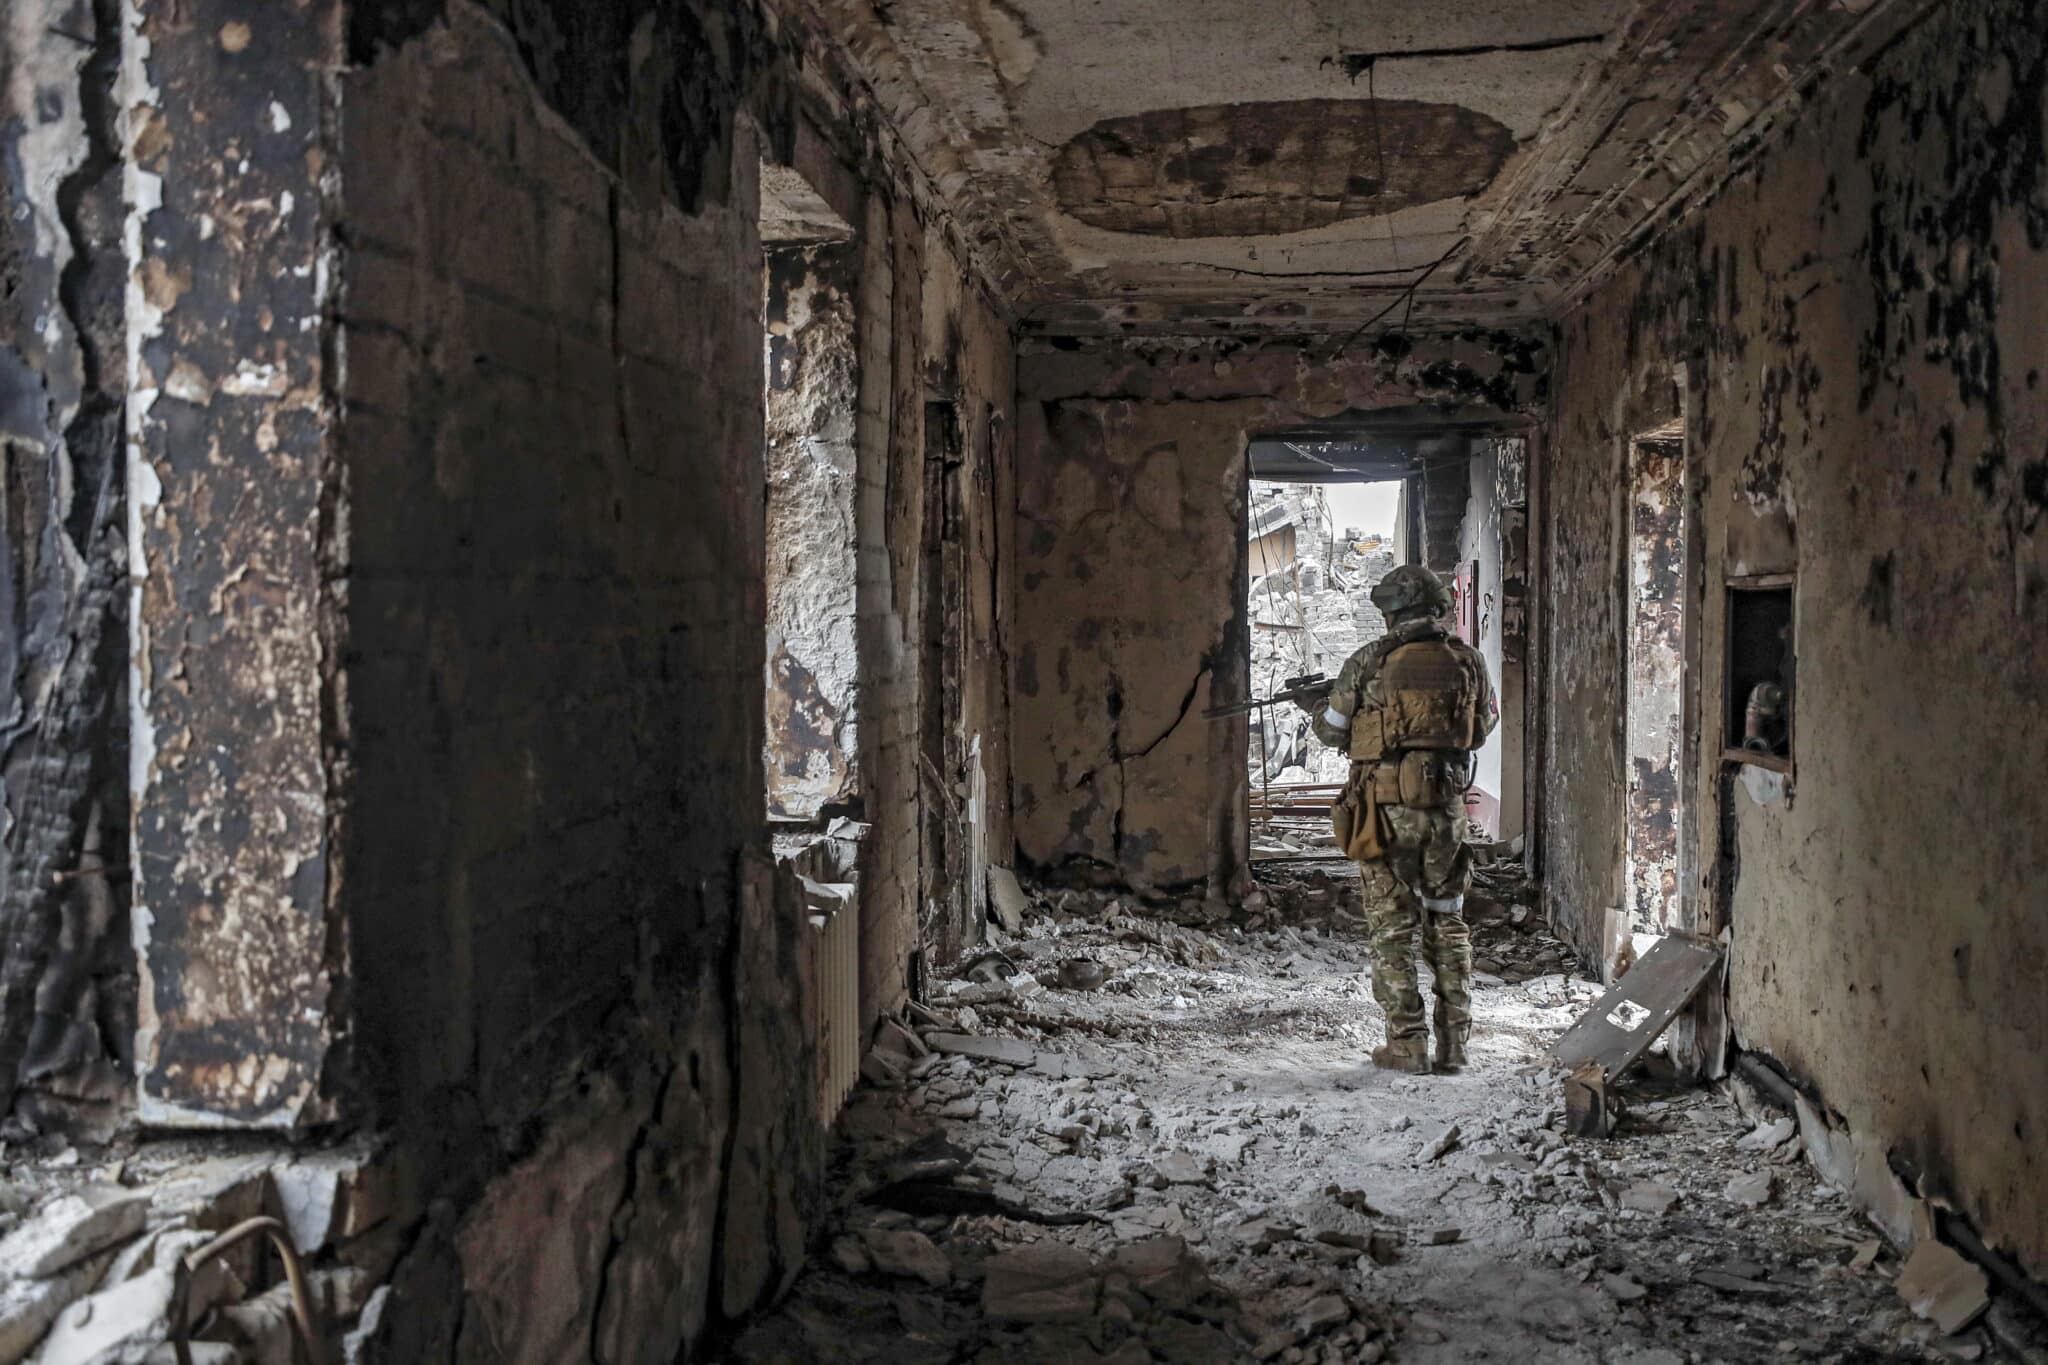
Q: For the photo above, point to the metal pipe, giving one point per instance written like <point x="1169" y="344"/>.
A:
<point x="294" y="1273"/>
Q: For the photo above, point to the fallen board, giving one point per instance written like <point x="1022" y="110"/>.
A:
<point x="1624" y="1022"/>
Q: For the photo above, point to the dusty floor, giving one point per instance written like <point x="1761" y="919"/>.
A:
<point x="1210" y="1088"/>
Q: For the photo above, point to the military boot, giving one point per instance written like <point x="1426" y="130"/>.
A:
<point x="1450" y="1051"/>
<point x="1403" y="1054"/>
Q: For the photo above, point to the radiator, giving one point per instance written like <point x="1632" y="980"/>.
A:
<point x="835" y="939"/>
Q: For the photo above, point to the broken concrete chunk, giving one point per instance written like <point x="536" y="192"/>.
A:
<point x="1163" y="1270"/>
<point x="1275" y="1342"/>
<point x="1444" y="1142"/>
<point x="1754" y="1190"/>
<point x="1649" y="1196"/>
<point x="1621" y="1288"/>
<point x="850" y="1256"/>
<point x="1007" y="903"/>
<point x="1182" y="1168"/>
<point x="1767" y="1136"/>
<point x="881" y="1071"/>
<point x="1942" y="1287"/>
<point x="1044" y="1282"/>
<point x="1443" y="1237"/>
<point x="1340" y="1237"/>
<point x="214" y="1193"/>
<point x="129" y="1320"/>
<point x="1181" y="1341"/>
<point x="908" y="1253"/>
<point x="985" y="1047"/>
<point x="261" y="1327"/>
<point x="28" y="1307"/>
<point x="1324" y="1312"/>
<point x="1265" y="1232"/>
<point x="330" y="1196"/>
<point x="898" y="1042"/>
<point x="70" y="1228"/>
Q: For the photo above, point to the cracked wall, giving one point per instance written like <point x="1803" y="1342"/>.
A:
<point x="1854" y="324"/>
<point x="581" y="988"/>
<point x="67" y="979"/>
<point x="443" y="325"/>
<point x="1130" y="545"/>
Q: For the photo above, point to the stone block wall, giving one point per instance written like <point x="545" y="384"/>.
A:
<point x="1853" y="328"/>
<point x="555" y="457"/>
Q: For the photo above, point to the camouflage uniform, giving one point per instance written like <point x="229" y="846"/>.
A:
<point x="1419" y="885"/>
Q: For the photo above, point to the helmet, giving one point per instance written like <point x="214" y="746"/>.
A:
<point x="1411" y="589"/>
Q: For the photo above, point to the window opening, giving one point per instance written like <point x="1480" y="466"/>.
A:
<point x="1761" y="661"/>
<point x="811" y="376"/>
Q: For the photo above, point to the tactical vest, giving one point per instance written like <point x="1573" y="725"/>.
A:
<point x="1433" y="697"/>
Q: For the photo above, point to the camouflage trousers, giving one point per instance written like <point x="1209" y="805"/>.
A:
<point x="1425" y="857"/>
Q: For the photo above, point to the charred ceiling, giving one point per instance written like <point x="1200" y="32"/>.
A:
<point x="1259" y="170"/>
<point x="1207" y="165"/>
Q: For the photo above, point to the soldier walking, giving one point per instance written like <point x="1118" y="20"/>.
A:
<point x="1411" y="708"/>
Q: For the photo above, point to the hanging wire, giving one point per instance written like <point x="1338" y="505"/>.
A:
<point x="1379" y="151"/>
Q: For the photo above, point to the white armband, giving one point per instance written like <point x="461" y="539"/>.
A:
<point x="1335" y="719"/>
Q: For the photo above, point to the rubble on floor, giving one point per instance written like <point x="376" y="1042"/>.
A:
<point x="91" y="1247"/>
<point x="1178" y="1154"/>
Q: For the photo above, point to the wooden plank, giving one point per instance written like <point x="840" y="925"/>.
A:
<point x="1624" y="1022"/>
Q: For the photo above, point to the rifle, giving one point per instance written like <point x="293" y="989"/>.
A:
<point x="1307" y="687"/>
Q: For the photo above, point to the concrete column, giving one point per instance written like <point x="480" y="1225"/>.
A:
<point x="234" y="510"/>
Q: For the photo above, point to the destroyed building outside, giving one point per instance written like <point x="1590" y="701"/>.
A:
<point x="639" y="649"/>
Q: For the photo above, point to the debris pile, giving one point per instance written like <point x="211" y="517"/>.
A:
<point x="1120" y="1136"/>
<point x="94" y="1252"/>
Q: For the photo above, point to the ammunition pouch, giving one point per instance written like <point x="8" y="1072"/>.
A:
<point x="1368" y="735"/>
<point x="1355" y="817"/>
<point x="1430" y="780"/>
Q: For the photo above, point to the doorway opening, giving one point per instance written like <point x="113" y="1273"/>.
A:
<point x="1314" y="552"/>
<point x="1654" y="622"/>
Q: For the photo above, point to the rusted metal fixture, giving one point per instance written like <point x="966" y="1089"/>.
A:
<point x="294" y="1273"/>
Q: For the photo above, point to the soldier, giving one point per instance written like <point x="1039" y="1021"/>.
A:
<point x="1410" y="708"/>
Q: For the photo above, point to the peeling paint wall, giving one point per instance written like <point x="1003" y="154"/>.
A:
<point x="1130" y="541"/>
<point x="233" y="515"/>
<point x="1855" y="323"/>
<point x="435" y="332"/>
<point x="1656" y="660"/>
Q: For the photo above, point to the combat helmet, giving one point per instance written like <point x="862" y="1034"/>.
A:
<point x="1411" y="590"/>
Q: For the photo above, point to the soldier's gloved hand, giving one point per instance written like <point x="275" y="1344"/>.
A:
<point x="1316" y="702"/>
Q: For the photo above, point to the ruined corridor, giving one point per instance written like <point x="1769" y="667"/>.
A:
<point x="782" y="680"/>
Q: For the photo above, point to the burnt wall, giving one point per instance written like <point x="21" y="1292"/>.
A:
<point x="936" y="375"/>
<point x="67" y="980"/>
<point x="1853" y="325"/>
<point x="234" y="510"/>
<point x="1130" y="563"/>
<point x="580" y="987"/>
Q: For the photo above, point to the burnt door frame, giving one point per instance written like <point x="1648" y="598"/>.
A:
<point x="1654" y="623"/>
<point x="945" y="919"/>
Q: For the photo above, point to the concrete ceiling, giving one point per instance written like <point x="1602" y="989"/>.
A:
<point x="1158" y="166"/>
